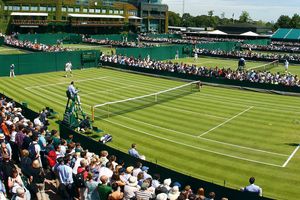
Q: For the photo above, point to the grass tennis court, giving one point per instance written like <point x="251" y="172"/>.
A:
<point x="105" y="49"/>
<point x="8" y="50"/>
<point x="217" y="134"/>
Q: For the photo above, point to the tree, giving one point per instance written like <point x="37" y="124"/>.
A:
<point x="210" y="13"/>
<point x="174" y="19"/>
<point x="295" y="21"/>
<point x="222" y="15"/>
<point x="283" y="21"/>
<point x="188" y="20"/>
<point x="245" y="17"/>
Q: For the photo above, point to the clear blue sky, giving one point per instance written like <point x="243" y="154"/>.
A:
<point x="266" y="10"/>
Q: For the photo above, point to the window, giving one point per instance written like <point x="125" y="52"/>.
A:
<point x="49" y="9"/>
<point x="34" y="8"/>
<point x="77" y="9"/>
<point x="64" y="9"/>
<point x="10" y="8"/>
<point x="85" y="10"/>
<point x="97" y="10"/>
<point x="53" y="9"/>
<point x="116" y="12"/>
<point x="16" y="8"/>
<point x="5" y="7"/>
<point x="121" y="12"/>
<point x="110" y="11"/>
<point x="70" y="9"/>
<point x="91" y="10"/>
<point x="43" y="8"/>
<point x="103" y="11"/>
<point x="25" y="8"/>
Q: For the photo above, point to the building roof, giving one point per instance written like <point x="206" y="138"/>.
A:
<point x="134" y="17"/>
<point x="217" y="32"/>
<point x="96" y="16"/>
<point x="28" y="14"/>
<point x="249" y="33"/>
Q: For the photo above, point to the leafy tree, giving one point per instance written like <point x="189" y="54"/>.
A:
<point x="295" y="21"/>
<point x="245" y="17"/>
<point x="174" y="19"/>
<point x="283" y="21"/>
<point x="210" y="13"/>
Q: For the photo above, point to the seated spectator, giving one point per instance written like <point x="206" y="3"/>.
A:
<point x="15" y="181"/>
<point x="211" y="196"/>
<point x="174" y="193"/>
<point x="252" y="187"/>
<point x="116" y="192"/>
<point x="131" y="188"/>
<point x="103" y="189"/>
<point x="143" y="193"/>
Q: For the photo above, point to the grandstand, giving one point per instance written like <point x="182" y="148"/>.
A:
<point x="285" y="34"/>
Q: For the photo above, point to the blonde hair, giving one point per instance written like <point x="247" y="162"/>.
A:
<point x="24" y="153"/>
<point x="36" y="164"/>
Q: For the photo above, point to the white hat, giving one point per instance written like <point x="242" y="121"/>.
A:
<point x="174" y="193"/>
<point x="16" y="119"/>
<point x="132" y="181"/>
<point x="2" y="136"/>
<point x="167" y="182"/>
<point x="162" y="196"/>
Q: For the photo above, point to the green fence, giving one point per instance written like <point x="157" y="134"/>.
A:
<point x="258" y="42"/>
<point x="116" y="37"/>
<point x="156" y="53"/>
<point x="1" y="41"/>
<point x="45" y="62"/>
<point x="223" y="46"/>
<point x="51" y="39"/>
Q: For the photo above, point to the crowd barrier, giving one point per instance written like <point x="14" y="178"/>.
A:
<point x="258" y="42"/>
<point x="222" y="81"/>
<point x="156" y="53"/>
<point x="46" y="62"/>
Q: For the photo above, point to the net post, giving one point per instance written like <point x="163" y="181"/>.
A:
<point x="93" y="113"/>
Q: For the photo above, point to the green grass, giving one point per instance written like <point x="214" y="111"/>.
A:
<point x="106" y="50"/>
<point x="8" y="50"/>
<point x="248" y="133"/>
<point x="231" y="63"/>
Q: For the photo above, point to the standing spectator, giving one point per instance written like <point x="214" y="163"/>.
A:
<point x="252" y="187"/>
<point x="65" y="178"/>
<point x="12" y="71"/>
<point x="25" y="162"/>
<point x="37" y="180"/>
<point x="103" y="189"/>
<point x="116" y="194"/>
<point x="286" y="65"/>
<point x="131" y="188"/>
<point x="91" y="186"/>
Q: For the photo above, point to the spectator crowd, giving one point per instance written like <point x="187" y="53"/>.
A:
<point x="118" y="43"/>
<point x="271" y="47"/>
<point x="295" y="58"/>
<point x="204" y="71"/>
<point x="33" y="46"/>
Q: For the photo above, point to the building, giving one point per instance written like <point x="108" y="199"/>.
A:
<point x="83" y="16"/>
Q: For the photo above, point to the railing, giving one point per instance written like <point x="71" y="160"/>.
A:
<point x="97" y="23"/>
<point x="29" y="22"/>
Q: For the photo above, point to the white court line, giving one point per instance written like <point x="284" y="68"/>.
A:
<point x="106" y="91"/>
<point x="202" y="138"/>
<point x="291" y="156"/>
<point x="191" y="146"/>
<point x="61" y="83"/>
<point x="228" y="120"/>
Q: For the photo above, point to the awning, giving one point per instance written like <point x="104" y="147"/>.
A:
<point x="29" y="14"/>
<point x="217" y="32"/>
<point x="249" y="33"/>
<point x="25" y="26"/>
<point x="96" y="16"/>
<point x="134" y="17"/>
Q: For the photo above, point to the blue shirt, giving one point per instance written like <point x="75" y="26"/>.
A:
<point x="253" y="188"/>
<point x="42" y="142"/>
<point x="65" y="174"/>
<point x="133" y="152"/>
<point x="72" y="90"/>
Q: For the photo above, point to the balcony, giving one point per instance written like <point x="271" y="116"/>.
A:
<point x="97" y="23"/>
<point x="29" y="22"/>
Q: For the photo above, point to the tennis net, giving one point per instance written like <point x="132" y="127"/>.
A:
<point x="266" y="66"/>
<point x="113" y="108"/>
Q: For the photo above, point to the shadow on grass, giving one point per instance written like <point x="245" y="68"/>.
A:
<point x="292" y="144"/>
